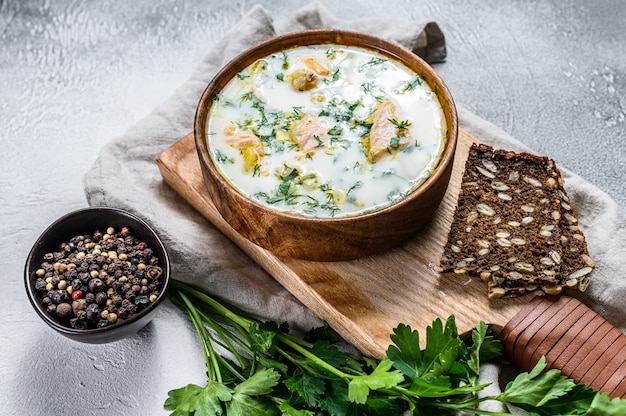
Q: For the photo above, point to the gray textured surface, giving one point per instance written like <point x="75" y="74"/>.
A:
<point x="73" y="75"/>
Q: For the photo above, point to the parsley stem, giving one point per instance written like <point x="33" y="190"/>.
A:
<point x="297" y="340"/>
<point x="224" y="341"/>
<point x="209" y="353"/>
<point x="214" y="305"/>
<point x="314" y="358"/>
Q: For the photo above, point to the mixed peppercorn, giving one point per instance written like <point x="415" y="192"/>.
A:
<point x="97" y="280"/>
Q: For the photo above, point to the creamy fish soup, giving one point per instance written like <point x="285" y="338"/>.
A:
<point x="326" y="131"/>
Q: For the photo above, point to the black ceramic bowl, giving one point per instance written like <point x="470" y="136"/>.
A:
<point x="87" y="221"/>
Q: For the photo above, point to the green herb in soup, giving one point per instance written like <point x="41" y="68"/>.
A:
<point x="326" y="131"/>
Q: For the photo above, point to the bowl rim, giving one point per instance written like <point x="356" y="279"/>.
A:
<point x="77" y="333"/>
<point x="332" y="36"/>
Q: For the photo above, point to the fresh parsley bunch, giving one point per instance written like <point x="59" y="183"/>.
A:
<point x="264" y="370"/>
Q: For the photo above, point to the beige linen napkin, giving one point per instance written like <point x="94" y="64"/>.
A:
<point x="203" y="256"/>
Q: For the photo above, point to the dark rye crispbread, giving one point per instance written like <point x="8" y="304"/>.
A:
<point x="574" y="261"/>
<point x="508" y="227"/>
<point x="576" y="264"/>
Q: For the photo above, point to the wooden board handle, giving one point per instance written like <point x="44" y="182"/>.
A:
<point x="573" y="338"/>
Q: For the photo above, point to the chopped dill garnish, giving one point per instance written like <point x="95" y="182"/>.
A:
<point x="222" y="158"/>
<point x="411" y="85"/>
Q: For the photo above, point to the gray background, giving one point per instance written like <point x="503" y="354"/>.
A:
<point x="74" y="75"/>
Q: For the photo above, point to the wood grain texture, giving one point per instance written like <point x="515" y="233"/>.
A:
<point x="573" y="338"/>
<point x="364" y="299"/>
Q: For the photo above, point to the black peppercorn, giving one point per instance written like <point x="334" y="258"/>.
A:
<point x="40" y="285"/>
<point x="122" y="312"/>
<point x="132" y="308"/>
<point x="90" y="297"/>
<point x="117" y="300"/>
<point x="78" y="323"/>
<point x="142" y="301"/>
<point x="125" y="288"/>
<point x="64" y="311"/>
<point x="79" y="305"/>
<point x="93" y="312"/>
<point x="58" y="296"/>
<point x="117" y="286"/>
<point x="71" y="274"/>
<point x="101" y="298"/>
<point x="96" y="285"/>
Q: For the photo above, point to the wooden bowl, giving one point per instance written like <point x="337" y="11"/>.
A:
<point x="326" y="239"/>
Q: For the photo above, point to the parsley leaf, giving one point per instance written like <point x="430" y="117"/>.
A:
<point x="308" y="387"/>
<point x="483" y="348"/>
<point x="259" y="383"/>
<point x="382" y="377"/>
<point x="406" y="354"/>
<point x="247" y="397"/>
<point x="262" y="336"/>
<point x="603" y="405"/>
<point x="328" y="353"/>
<point x="193" y="399"/>
<point x="442" y="346"/>
<point x="536" y="387"/>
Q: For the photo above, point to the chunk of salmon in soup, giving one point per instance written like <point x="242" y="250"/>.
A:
<point x="388" y="134"/>
<point x="309" y="133"/>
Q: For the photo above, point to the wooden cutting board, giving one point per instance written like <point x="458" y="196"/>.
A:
<point x="364" y="299"/>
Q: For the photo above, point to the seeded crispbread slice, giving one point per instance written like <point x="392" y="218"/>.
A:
<point x="506" y="225"/>
<point x="576" y="264"/>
